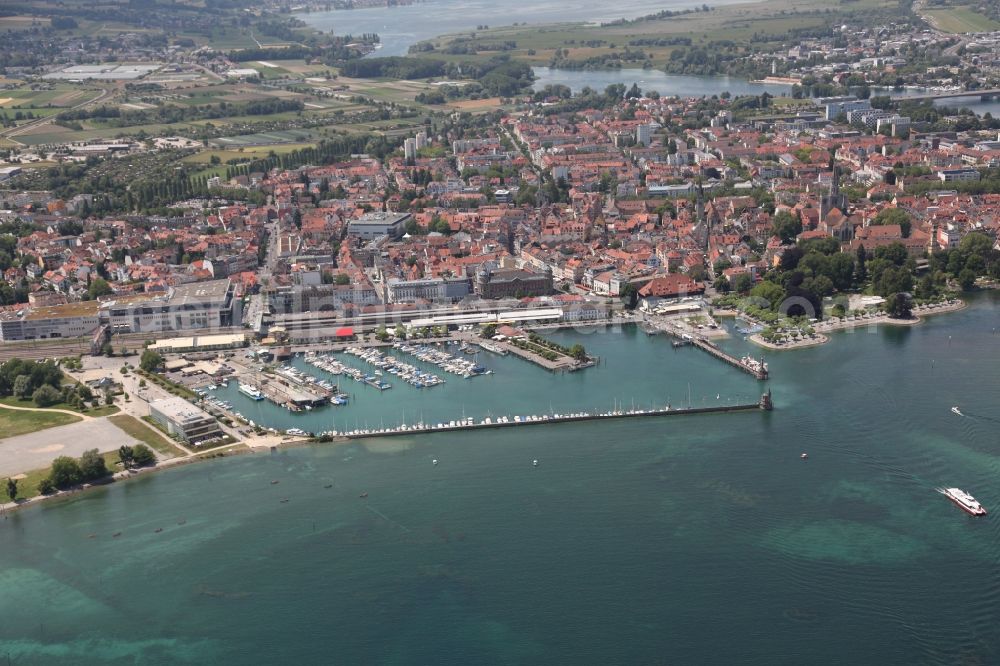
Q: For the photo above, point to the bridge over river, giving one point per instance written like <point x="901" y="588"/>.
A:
<point x="984" y="95"/>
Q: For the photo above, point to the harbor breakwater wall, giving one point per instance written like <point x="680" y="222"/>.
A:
<point x="764" y="404"/>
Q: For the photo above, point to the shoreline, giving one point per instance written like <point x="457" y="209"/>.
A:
<point x="845" y="324"/>
<point x="243" y="448"/>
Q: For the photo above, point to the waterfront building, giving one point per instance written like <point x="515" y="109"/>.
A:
<point x="182" y="419"/>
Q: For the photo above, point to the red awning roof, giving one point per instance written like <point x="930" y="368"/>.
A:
<point x="345" y="332"/>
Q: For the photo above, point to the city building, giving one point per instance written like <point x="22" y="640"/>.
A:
<point x="512" y="283"/>
<point x="837" y="106"/>
<point x="958" y="175"/>
<point x="430" y="289"/>
<point x="194" y="306"/>
<point x="375" y="225"/>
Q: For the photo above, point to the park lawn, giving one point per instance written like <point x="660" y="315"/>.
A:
<point x="27" y="484"/>
<point x="134" y="428"/>
<point x="962" y="19"/>
<point x="103" y="410"/>
<point x="13" y="423"/>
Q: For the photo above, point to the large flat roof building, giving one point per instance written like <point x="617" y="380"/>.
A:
<point x="188" y="307"/>
<point x="182" y="419"/>
<point x="375" y="225"/>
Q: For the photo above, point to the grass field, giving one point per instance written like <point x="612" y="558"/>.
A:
<point x="247" y="152"/>
<point x="103" y="410"/>
<point x="961" y="19"/>
<point x="135" y="428"/>
<point x="13" y="423"/>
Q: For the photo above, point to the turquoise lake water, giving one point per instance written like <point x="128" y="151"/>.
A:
<point x="687" y="539"/>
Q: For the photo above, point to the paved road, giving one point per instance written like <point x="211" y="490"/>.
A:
<point x="37" y="449"/>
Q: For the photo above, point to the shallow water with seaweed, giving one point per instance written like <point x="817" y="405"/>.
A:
<point x="700" y="539"/>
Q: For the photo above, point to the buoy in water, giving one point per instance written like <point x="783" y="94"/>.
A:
<point x="804" y="456"/>
<point x="534" y="463"/>
<point x="434" y="461"/>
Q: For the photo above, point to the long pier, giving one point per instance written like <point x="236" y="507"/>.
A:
<point x="764" y="404"/>
<point x="758" y="371"/>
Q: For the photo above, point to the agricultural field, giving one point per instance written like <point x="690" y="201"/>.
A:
<point x="22" y="22"/>
<point x="960" y="19"/>
<point x="262" y="139"/>
<point x="60" y="97"/>
<point x="244" y="152"/>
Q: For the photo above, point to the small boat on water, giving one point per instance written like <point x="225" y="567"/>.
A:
<point x="956" y="410"/>
<point x="963" y="500"/>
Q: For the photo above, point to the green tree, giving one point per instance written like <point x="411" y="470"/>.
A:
<point x="65" y="472"/>
<point x="894" y="252"/>
<point x="150" y="360"/>
<point x="342" y="279"/>
<point x="578" y="352"/>
<point x="46" y="396"/>
<point x="126" y="455"/>
<point x="786" y="226"/>
<point x="967" y="279"/>
<point x="142" y="455"/>
<point x="768" y="294"/>
<point x="12" y="489"/>
<point x="891" y="280"/>
<point x="98" y="287"/>
<point x="22" y="387"/>
<point x="630" y="296"/>
<point x="899" y="306"/>
<point x="488" y="331"/>
<point x="46" y="486"/>
<point x="92" y="465"/>
<point x="742" y="283"/>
